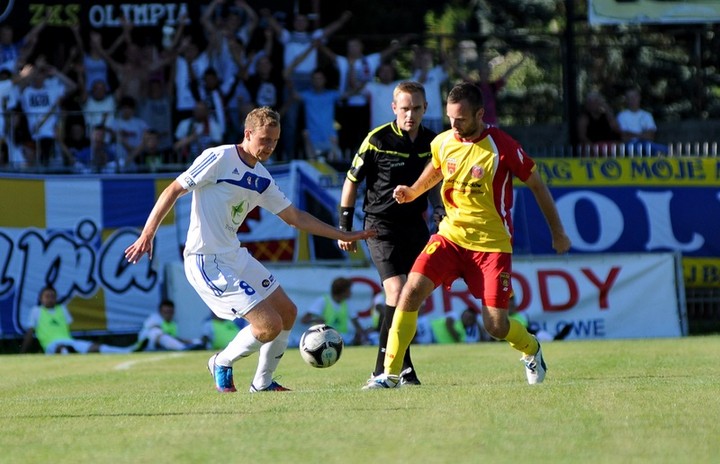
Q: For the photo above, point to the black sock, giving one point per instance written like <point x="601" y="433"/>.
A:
<point x="385" y="322"/>
<point x="407" y="364"/>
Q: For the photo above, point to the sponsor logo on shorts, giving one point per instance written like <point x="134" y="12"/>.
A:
<point x="505" y="281"/>
<point x="189" y="180"/>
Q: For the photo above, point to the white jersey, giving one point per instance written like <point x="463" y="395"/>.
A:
<point x="381" y="98"/>
<point x="99" y="112"/>
<point x="225" y="190"/>
<point x="9" y="96"/>
<point x="363" y="69"/>
<point x="152" y="321"/>
<point x="433" y="82"/>
<point x="184" y="99"/>
<point x="636" y="121"/>
<point x="40" y="106"/>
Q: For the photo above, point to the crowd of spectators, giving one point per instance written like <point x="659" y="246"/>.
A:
<point x="127" y="101"/>
<point x="129" y="104"/>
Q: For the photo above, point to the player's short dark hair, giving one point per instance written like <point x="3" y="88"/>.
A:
<point x="469" y="92"/>
<point x="340" y="285"/>
<point x="48" y="287"/>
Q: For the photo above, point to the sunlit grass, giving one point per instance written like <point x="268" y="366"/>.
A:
<point x="608" y="401"/>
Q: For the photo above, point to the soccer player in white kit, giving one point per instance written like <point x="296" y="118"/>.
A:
<point x="227" y="182"/>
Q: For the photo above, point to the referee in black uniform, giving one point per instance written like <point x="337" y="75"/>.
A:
<point x="392" y="154"/>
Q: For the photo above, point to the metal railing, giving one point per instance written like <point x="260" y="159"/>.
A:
<point x="622" y="150"/>
<point x="20" y="152"/>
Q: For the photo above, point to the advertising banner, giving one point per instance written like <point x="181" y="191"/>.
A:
<point x="653" y="11"/>
<point x="631" y="205"/>
<point x="71" y="231"/>
<point x="96" y="15"/>
<point x="599" y="296"/>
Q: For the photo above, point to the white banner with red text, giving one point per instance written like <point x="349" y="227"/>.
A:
<point x="601" y="296"/>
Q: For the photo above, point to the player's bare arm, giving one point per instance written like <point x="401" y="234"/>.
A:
<point x="347" y="206"/>
<point x="309" y="223"/>
<point x="162" y="207"/>
<point x="560" y="240"/>
<point x="427" y="180"/>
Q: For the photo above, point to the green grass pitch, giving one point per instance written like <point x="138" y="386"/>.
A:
<point x="620" y="401"/>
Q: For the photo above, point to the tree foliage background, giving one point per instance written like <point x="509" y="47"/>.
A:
<point x="674" y="66"/>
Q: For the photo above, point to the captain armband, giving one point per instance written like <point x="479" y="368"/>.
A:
<point x="346" y="217"/>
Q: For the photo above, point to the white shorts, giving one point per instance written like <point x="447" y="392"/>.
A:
<point x="230" y="284"/>
<point x="80" y="346"/>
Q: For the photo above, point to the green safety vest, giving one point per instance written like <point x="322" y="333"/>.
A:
<point x="223" y="333"/>
<point x="441" y="332"/>
<point x="521" y="318"/>
<point x="169" y="328"/>
<point x="336" y="318"/>
<point x="52" y="326"/>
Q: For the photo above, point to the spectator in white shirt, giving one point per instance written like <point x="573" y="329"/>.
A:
<point x="295" y="43"/>
<point x="432" y="77"/>
<point x="128" y="132"/>
<point x="638" y="128"/>
<point x="380" y="93"/>
<point x="195" y="134"/>
<point x="98" y="106"/>
<point x="40" y="101"/>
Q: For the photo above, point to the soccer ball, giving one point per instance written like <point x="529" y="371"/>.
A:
<point x="321" y="346"/>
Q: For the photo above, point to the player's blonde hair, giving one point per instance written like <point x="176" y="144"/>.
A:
<point x="409" y="87"/>
<point x="261" y="117"/>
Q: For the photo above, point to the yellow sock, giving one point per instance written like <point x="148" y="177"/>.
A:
<point x="520" y="339"/>
<point x="400" y="335"/>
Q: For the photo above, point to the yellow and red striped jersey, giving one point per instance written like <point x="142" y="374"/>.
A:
<point x="477" y="187"/>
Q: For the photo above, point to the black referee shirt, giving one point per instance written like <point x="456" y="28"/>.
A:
<point x="388" y="158"/>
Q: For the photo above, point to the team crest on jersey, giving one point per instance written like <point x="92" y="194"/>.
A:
<point x="477" y="172"/>
<point x="237" y="212"/>
<point x="451" y="165"/>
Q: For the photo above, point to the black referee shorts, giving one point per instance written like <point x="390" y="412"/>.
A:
<point x="398" y="243"/>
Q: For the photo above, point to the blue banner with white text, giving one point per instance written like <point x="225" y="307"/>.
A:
<point x="630" y="205"/>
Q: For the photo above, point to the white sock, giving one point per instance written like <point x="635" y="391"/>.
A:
<point x="270" y="354"/>
<point x="244" y="344"/>
<point x="113" y="349"/>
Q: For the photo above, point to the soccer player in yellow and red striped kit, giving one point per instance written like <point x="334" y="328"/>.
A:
<point x="476" y="164"/>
